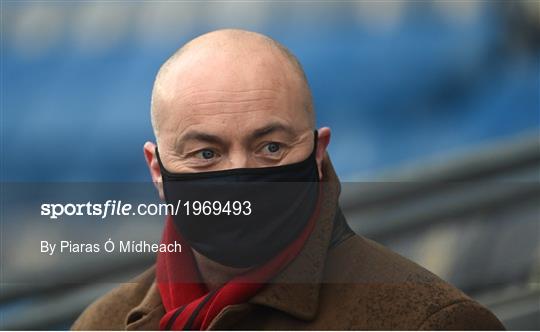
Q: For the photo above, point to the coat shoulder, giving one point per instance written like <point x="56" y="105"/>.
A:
<point x="377" y="288"/>
<point x="465" y="315"/>
<point x="109" y="312"/>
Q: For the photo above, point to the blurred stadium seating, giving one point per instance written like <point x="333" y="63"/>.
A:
<point x="434" y="108"/>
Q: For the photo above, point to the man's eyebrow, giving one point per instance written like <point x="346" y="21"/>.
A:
<point x="199" y="136"/>
<point x="271" y="128"/>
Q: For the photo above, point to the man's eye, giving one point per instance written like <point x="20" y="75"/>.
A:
<point x="206" y="154"/>
<point x="272" y="147"/>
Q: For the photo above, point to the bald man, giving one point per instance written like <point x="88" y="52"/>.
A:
<point x="234" y="122"/>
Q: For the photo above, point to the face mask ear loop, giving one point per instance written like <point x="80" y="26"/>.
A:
<point x="161" y="167"/>
<point x="315" y="143"/>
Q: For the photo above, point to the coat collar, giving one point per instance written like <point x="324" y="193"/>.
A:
<point x="294" y="291"/>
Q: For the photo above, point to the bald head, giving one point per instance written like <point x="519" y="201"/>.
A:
<point x="227" y="59"/>
<point x="231" y="99"/>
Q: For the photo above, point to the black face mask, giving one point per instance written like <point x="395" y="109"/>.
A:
<point x="281" y="201"/>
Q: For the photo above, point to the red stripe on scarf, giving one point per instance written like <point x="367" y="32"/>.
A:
<point x="183" y="292"/>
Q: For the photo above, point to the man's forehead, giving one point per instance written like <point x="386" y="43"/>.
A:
<point x="228" y="93"/>
<point x="235" y="126"/>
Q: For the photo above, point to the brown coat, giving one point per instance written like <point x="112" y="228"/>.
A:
<point x="339" y="281"/>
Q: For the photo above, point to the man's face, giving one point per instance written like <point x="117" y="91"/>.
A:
<point x="232" y="114"/>
<point x="231" y="103"/>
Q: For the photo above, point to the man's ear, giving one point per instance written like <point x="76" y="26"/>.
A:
<point x="322" y="143"/>
<point x="153" y="166"/>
